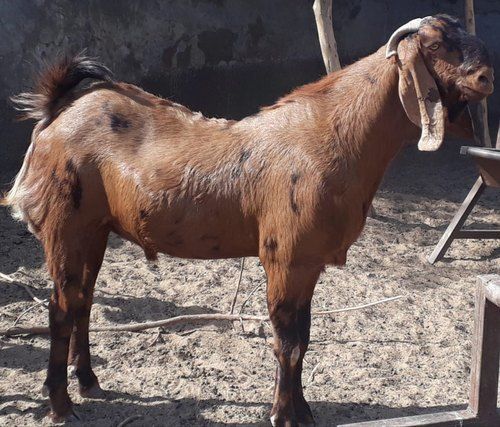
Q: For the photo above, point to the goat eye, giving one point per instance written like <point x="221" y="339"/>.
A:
<point x="434" y="47"/>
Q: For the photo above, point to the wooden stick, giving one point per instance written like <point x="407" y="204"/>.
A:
<point x="25" y="312"/>
<point x="129" y="420"/>
<point x="358" y="307"/>
<point x="250" y="295"/>
<point x="470" y="22"/>
<point x="189" y="318"/>
<point x="24" y="286"/>
<point x="323" y="14"/>
<point x="235" y="297"/>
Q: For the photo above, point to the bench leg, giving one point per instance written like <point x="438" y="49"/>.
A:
<point x="457" y="221"/>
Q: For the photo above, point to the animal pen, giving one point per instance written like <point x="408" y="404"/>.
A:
<point x="69" y="341"/>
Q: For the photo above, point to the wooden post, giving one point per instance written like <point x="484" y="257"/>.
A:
<point x="323" y="14"/>
<point x="486" y="348"/>
<point x="479" y="111"/>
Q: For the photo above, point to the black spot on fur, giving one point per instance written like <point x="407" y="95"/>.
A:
<point x="142" y="214"/>
<point x="70" y="167"/>
<point x="370" y="79"/>
<point x="71" y="184"/>
<point x="245" y="154"/>
<point x="119" y="122"/>
<point x="76" y="193"/>
<point x="293" y="203"/>
<point x="271" y="244"/>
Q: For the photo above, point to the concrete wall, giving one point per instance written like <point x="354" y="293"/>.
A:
<point x="222" y="57"/>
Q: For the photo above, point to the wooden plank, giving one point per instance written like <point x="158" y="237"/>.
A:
<point x="458" y="221"/>
<point x="491" y="284"/>
<point x="323" y="14"/>
<point x="441" y="419"/>
<point x="485" y="354"/>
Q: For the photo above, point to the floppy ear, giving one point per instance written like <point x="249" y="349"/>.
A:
<point x="420" y="97"/>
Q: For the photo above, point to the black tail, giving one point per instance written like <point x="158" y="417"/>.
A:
<point x="55" y="82"/>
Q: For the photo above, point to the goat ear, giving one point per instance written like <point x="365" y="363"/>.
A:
<point x="420" y="98"/>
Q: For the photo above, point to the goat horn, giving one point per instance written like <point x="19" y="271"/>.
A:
<point x="409" y="27"/>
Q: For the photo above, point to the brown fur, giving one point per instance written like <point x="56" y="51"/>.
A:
<point x="291" y="184"/>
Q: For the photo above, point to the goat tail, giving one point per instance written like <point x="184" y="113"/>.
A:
<point x="15" y="196"/>
<point x="56" y="81"/>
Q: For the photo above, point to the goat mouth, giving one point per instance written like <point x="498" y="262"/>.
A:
<point x="470" y="94"/>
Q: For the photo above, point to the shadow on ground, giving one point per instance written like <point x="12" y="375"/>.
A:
<point x="160" y="410"/>
<point x="143" y="309"/>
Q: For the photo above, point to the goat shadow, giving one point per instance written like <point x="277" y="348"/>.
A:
<point x="130" y="308"/>
<point x="162" y="410"/>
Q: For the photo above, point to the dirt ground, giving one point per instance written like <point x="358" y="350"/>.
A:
<point x="406" y="357"/>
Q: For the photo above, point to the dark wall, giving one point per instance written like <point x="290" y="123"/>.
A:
<point x="222" y="57"/>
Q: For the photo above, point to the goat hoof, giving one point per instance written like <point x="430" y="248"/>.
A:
<point x="278" y="420"/>
<point x="45" y="391"/>
<point x="93" y="392"/>
<point x="56" y="419"/>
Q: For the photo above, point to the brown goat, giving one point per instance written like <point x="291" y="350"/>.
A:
<point x="291" y="184"/>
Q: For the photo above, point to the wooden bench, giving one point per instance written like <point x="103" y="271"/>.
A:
<point x="482" y="410"/>
<point x="488" y="162"/>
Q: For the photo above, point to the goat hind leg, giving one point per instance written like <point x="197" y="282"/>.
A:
<point x="79" y="356"/>
<point x="69" y="307"/>
<point x="63" y="307"/>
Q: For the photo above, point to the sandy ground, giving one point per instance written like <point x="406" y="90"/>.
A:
<point x="400" y="358"/>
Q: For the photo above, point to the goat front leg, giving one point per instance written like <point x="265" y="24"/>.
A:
<point x="289" y="300"/>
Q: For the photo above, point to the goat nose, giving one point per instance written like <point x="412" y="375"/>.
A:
<point x="483" y="79"/>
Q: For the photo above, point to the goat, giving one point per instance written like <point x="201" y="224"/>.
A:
<point x="291" y="184"/>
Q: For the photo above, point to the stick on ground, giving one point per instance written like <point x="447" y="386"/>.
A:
<point x="24" y="286"/>
<point x="174" y="321"/>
